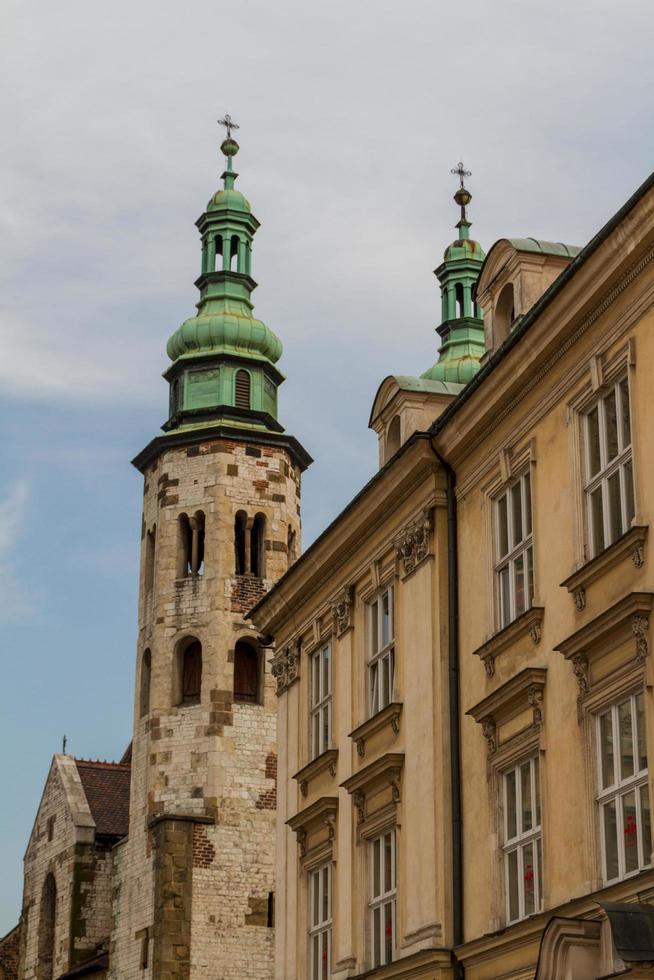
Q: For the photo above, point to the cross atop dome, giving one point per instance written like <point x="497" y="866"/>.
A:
<point x="229" y="125"/>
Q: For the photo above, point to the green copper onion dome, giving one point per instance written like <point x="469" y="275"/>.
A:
<point x="462" y="329"/>
<point x="223" y="357"/>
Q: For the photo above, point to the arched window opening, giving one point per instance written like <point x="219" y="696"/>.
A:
<point x="217" y="254"/>
<point x="246" y="673"/>
<point x="150" y="540"/>
<point x="458" y="298"/>
<point x="504" y="313"/>
<point x="175" y="397"/>
<point x="191" y="672"/>
<point x="393" y="437"/>
<point x="146" y="673"/>
<point x="257" y="546"/>
<point x="242" y="389"/>
<point x="190" y="545"/>
<point x="233" y="253"/>
<point x="240" y="522"/>
<point x="47" y="921"/>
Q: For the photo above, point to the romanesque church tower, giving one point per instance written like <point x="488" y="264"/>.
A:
<point x="194" y="894"/>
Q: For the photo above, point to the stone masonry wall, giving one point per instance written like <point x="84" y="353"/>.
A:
<point x="215" y="759"/>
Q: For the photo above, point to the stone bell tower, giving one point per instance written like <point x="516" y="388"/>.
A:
<point x="221" y="522"/>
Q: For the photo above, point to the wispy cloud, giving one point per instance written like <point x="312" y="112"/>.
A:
<point x="14" y="601"/>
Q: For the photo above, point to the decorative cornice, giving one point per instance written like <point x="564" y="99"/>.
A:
<point x="325" y="761"/>
<point x="390" y="715"/>
<point x="322" y="813"/>
<point x="412" y="543"/>
<point x="342" y="606"/>
<point x="530" y="623"/>
<point x="631" y="544"/>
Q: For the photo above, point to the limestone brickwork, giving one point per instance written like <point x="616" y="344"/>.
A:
<point x="195" y="877"/>
<point x="9" y="954"/>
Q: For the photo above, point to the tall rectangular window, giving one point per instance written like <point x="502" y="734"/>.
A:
<point x="381" y="664"/>
<point x="321" y="701"/>
<point x="383" y="897"/>
<point x="320" y="923"/>
<point x="624" y="793"/>
<point x="609" y="485"/>
<point x="522" y="844"/>
<point x="514" y="564"/>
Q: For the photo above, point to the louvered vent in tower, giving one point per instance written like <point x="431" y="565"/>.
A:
<point x="242" y="399"/>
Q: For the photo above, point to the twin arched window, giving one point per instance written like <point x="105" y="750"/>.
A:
<point x="249" y="545"/>
<point x="190" y="548"/>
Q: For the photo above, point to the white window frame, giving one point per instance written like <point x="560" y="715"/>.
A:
<point x="320" y="925"/>
<point x="522" y="839"/>
<point x="382" y="898"/>
<point x="320" y="696"/>
<point x="621" y="464"/>
<point x="620" y="787"/>
<point x="381" y="660"/>
<point x="506" y="564"/>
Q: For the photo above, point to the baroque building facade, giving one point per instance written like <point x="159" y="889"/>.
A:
<point x="463" y="656"/>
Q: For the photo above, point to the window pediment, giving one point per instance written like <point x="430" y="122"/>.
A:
<point x="529" y="624"/>
<point x="515" y="706"/>
<point x="315" y="830"/>
<point x="325" y="761"/>
<point x="375" y="792"/>
<point x="388" y="717"/>
<point x="631" y="544"/>
<point x="623" y="627"/>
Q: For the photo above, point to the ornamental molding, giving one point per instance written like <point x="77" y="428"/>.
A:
<point x="629" y="545"/>
<point x="342" y="607"/>
<point x="412" y="543"/>
<point x="387" y="717"/>
<point x="325" y="762"/>
<point x="523" y="691"/>
<point x="528" y="624"/>
<point x="624" y="623"/>
<point x="285" y="667"/>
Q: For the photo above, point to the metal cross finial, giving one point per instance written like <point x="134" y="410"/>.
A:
<point x="461" y="172"/>
<point x="64" y="743"/>
<point x="228" y="123"/>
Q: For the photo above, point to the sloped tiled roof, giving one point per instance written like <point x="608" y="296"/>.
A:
<point x="106" y="786"/>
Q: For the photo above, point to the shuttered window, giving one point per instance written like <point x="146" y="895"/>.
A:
<point x="242" y="398"/>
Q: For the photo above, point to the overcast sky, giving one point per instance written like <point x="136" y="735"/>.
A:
<point x="352" y="114"/>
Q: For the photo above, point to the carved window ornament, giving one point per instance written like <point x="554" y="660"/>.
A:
<point x="630" y="545"/>
<point x="325" y="762"/>
<point x="626" y="625"/>
<point x="412" y="545"/>
<point x="342" y="609"/>
<point x="520" y="695"/>
<point x="285" y="667"/>
<point x="529" y="624"/>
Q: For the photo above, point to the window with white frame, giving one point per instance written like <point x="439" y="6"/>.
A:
<point x="321" y="700"/>
<point x="514" y="563"/>
<point x="383" y="897"/>
<point x="320" y="923"/>
<point x="623" y="789"/>
<point x="609" y="485"/>
<point x="522" y="840"/>
<point x="381" y="665"/>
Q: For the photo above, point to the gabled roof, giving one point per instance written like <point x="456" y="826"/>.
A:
<point x="106" y="787"/>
